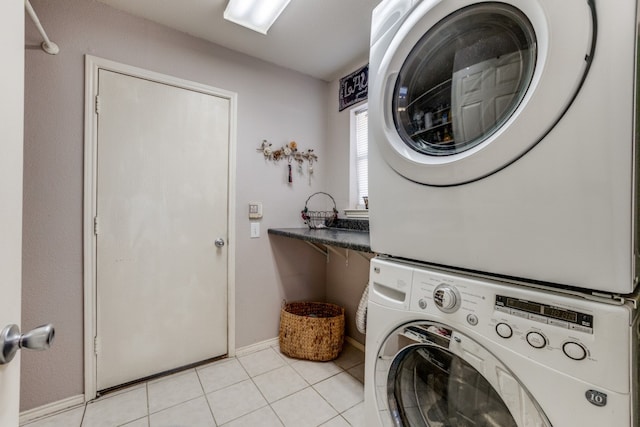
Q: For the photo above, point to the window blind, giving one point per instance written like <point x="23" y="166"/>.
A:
<point x="362" y="154"/>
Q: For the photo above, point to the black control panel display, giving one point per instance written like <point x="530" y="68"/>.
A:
<point x="549" y="311"/>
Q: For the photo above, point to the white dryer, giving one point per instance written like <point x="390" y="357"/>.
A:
<point x="502" y="138"/>
<point x="448" y="350"/>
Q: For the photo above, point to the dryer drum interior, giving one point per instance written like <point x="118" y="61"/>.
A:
<point x="464" y="79"/>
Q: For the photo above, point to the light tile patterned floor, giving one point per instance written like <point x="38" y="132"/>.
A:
<point x="264" y="388"/>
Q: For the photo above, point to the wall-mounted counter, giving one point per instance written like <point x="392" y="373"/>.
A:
<point x="348" y="234"/>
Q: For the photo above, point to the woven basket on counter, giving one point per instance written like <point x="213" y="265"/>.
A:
<point x="311" y="330"/>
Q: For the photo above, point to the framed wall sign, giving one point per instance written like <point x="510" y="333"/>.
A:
<point x="354" y="88"/>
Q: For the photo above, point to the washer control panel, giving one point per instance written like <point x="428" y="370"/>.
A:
<point x="539" y="329"/>
<point x="545" y="313"/>
<point x="568" y="333"/>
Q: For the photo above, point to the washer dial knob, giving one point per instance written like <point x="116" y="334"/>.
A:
<point x="446" y="298"/>
<point x="574" y="351"/>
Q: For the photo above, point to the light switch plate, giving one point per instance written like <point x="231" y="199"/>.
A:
<point x="255" y="210"/>
<point x="255" y="230"/>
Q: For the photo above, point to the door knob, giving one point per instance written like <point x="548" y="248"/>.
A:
<point x="11" y="340"/>
<point x="219" y="242"/>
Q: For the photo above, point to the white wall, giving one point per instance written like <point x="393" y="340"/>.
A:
<point x="273" y="103"/>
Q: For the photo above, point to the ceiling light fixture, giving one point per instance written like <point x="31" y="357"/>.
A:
<point x="257" y="15"/>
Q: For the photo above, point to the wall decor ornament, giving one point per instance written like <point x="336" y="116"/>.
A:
<point x="290" y="153"/>
<point x="354" y="88"/>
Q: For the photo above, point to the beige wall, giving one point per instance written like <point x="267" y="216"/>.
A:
<point x="346" y="279"/>
<point x="273" y="103"/>
<point x="347" y="276"/>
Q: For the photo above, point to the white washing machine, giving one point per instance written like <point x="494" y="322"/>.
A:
<point x="449" y="350"/>
<point x="502" y="138"/>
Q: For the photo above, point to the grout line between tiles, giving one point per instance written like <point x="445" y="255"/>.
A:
<point x="146" y="389"/>
<point x="204" y="394"/>
<point x="231" y="385"/>
<point x="351" y="407"/>
<point x="131" y="421"/>
<point x="257" y="409"/>
<point x="260" y="391"/>
<point x="84" y="414"/>
<point x="173" y="406"/>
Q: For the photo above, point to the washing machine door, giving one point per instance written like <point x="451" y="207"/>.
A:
<point x="428" y="374"/>
<point x="465" y="88"/>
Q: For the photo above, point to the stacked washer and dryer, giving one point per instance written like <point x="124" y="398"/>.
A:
<point x="503" y="205"/>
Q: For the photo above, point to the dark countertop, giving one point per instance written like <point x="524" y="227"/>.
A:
<point x="349" y="238"/>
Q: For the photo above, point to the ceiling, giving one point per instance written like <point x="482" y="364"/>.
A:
<point x="321" y="38"/>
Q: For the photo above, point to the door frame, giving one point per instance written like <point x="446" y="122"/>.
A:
<point x="12" y="78"/>
<point x="92" y="66"/>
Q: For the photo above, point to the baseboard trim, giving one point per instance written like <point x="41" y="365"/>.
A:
<point x="51" y="408"/>
<point x="252" y="348"/>
<point x="355" y="343"/>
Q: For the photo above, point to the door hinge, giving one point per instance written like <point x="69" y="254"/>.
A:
<point x="96" y="228"/>
<point x="97" y="104"/>
<point x="96" y="345"/>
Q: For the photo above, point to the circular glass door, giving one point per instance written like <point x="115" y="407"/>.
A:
<point x="464" y="79"/>
<point x="426" y="379"/>
<point x="461" y="90"/>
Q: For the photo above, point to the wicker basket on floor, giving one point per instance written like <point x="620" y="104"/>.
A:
<point x="311" y="330"/>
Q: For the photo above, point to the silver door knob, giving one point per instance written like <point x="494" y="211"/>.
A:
<point x="219" y="242"/>
<point x="11" y="340"/>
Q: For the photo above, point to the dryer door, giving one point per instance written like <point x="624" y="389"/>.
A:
<point x="465" y="88"/>
<point x="430" y="375"/>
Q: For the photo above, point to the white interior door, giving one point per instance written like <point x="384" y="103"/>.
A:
<point x="162" y="202"/>
<point x="11" y="129"/>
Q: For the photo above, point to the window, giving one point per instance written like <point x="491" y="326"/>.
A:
<point x="360" y="150"/>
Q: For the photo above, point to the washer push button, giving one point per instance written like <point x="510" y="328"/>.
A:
<point x="504" y="330"/>
<point x="574" y="351"/>
<point x="536" y="340"/>
<point x="472" y="319"/>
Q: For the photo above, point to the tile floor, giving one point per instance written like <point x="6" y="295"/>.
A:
<point x="264" y="388"/>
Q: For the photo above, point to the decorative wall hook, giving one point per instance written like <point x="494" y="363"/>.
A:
<point x="290" y="153"/>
